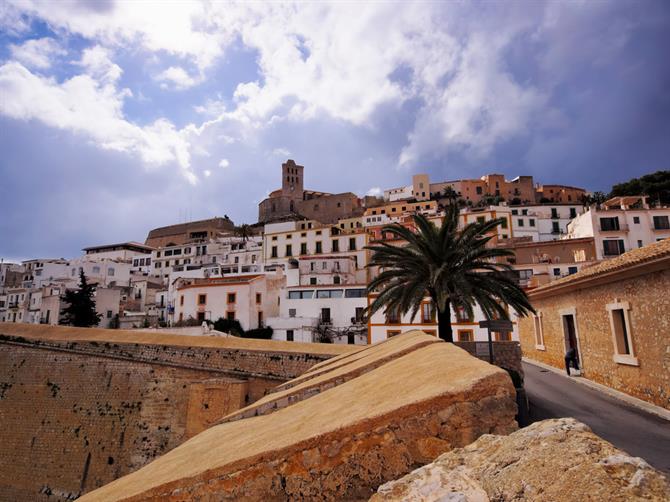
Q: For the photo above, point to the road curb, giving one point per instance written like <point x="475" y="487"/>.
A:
<point x="633" y="401"/>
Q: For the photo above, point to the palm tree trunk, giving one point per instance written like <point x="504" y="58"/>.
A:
<point x="444" y="324"/>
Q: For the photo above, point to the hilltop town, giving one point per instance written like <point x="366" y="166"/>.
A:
<point x="255" y="343"/>
<point x="301" y="269"/>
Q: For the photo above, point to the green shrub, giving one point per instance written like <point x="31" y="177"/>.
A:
<point x="260" y="333"/>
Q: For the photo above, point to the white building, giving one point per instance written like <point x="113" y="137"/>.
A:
<point x="543" y="222"/>
<point x="249" y="299"/>
<point x="622" y="224"/>
<point x="286" y="241"/>
<point x="310" y="312"/>
<point x="383" y="325"/>
<point x="101" y="270"/>
<point x="41" y="271"/>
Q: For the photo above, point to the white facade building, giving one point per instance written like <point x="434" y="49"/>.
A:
<point x="545" y="222"/>
<point x="249" y="299"/>
<point x="623" y="224"/>
<point x="333" y="311"/>
<point x="383" y="325"/>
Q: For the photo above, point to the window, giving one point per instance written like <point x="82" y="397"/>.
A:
<point x="301" y="295"/>
<point x="96" y="270"/>
<point x="303" y="248"/>
<point x="524" y="212"/>
<point x="312" y="281"/>
<point x="609" y="224"/>
<point x="110" y="271"/>
<point x="515" y="212"/>
<point x="539" y="335"/>
<point x="325" y="315"/>
<point x="352" y="244"/>
<point x="531" y="222"/>
<point x="554" y="212"/>
<point x="502" y="336"/>
<point x="481" y="219"/>
<point x="613" y="247"/>
<point x="318" y="232"/>
<point x="289" y="250"/>
<point x="231" y="297"/>
<point x="109" y="314"/>
<point x="274" y="237"/>
<point x="329" y="293"/>
<point x="177" y="251"/>
<point x="230" y="315"/>
<point x="181" y="300"/>
<point x="661" y="223"/>
<point x="324" y="265"/>
<point x="360" y="314"/>
<point x="573" y="212"/>
<point x="336" y="279"/>
<point x="274" y="252"/>
<point x="354" y="293"/>
<point x="503" y="223"/>
<point x="572" y="270"/>
<point x="557" y="272"/>
<point x="427" y="312"/>
<point x="555" y="228"/>
<point x="318" y="249"/>
<point x="202" y="299"/>
<point x="335" y="246"/>
<point x="621" y="333"/>
<point x="520" y="222"/>
<point x="639" y="243"/>
<point x="465" y="335"/>
<point x="462" y="315"/>
<point x="289" y="335"/>
<point x="479" y="190"/>
<point x="392" y="316"/>
<point x="259" y="298"/>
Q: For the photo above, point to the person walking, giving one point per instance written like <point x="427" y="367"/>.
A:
<point x="571" y="357"/>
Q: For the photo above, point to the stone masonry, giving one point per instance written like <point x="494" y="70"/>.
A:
<point x="343" y="441"/>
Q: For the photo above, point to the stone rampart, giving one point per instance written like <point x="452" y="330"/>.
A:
<point x="342" y="442"/>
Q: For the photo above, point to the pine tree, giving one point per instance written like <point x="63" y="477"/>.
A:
<point x="80" y="310"/>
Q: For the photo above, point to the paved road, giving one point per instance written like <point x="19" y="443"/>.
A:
<point x="635" y="431"/>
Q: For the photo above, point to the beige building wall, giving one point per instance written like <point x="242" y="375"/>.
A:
<point x="645" y="375"/>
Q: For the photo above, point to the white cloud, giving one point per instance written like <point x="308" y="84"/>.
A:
<point x="335" y="60"/>
<point x="375" y="191"/>
<point x="207" y="173"/>
<point x="281" y="152"/>
<point x="37" y="53"/>
<point x="86" y="105"/>
<point x="177" y="78"/>
<point x="97" y="62"/>
<point x="224" y="163"/>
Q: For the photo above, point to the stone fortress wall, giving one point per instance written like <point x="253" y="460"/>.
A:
<point x="77" y="414"/>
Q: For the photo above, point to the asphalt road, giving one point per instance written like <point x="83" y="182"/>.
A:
<point x="635" y="431"/>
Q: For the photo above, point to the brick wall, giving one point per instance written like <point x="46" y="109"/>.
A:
<point x="649" y="316"/>
<point x="77" y="415"/>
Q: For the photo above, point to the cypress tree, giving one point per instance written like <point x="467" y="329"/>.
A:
<point x="80" y="310"/>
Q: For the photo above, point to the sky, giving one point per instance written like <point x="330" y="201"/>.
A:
<point x="117" y="117"/>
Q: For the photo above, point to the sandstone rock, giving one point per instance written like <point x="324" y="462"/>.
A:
<point x="554" y="460"/>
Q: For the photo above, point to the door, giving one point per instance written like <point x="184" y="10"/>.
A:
<point x="570" y="336"/>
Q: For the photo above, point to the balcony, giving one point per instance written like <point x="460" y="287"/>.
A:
<point x="661" y="228"/>
<point x="623" y="227"/>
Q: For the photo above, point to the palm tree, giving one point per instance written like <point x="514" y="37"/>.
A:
<point x="453" y="267"/>
<point x="243" y="231"/>
<point x="450" y="194"/>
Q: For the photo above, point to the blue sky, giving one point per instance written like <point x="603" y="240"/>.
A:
<point x="117" y="117"/>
